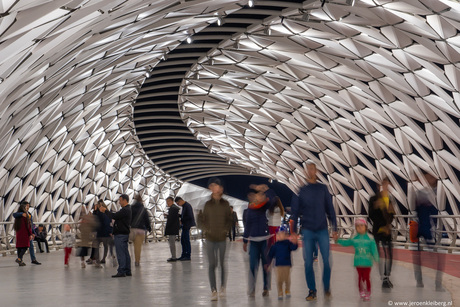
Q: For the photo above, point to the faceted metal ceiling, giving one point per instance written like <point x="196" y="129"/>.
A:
<point x="366" y="91"/>
<point x="163" y="135"/>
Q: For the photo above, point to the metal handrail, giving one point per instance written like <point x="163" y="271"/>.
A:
<point x="400" y="232"/>
<point x="401" y="235"/>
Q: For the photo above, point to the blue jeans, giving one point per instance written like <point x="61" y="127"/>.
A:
<point x="315" y="252"/>
<point x="185" y="242"/>
<point x="32" y="250"/>
<point x="124" y="260"/>
<point x="257" y="252"/>
<point x="310" y="239"/>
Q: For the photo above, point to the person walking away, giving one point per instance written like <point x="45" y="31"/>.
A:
<point x="88" y="225"/>
<point x="381" y="213"/>
<point x="216" y="220"/>
<point x="425" y="206"/>
<point x="365" y="253"/>
<point x="172" y="227"/>
<point x="140" y="223"/>
<point x="232" y="232"/>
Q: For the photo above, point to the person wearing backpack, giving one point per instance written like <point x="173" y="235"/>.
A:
<point x="140" y="223"/>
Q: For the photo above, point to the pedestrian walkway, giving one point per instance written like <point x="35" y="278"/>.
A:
<point x="185" y="284"/>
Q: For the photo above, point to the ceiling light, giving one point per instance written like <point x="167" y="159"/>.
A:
<point x="219" y="21"/>
<point x="189" y="40"/>
<point x="251" y="3"/>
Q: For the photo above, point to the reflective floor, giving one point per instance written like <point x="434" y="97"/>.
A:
<point x="158" y="283"/>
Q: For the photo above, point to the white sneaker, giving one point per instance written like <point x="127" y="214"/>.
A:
<point x="83" y="265"/>
<point x="222" y="292"/>
<point x="214" y="296"/>
<point x="66" y="265"/>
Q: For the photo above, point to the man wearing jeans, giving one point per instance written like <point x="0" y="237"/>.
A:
<point x="313" y="204"/>
<point x="216" y="220"/>
<point x="188" y="221"/>
<point x="121" y="229"/>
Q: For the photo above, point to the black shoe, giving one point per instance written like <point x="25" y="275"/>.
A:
<point x="47" y="252"/>
<point x="172" y="260"/>
<point x="18" y="261"/>
<point x="390" y="283"/>
<point x="22" y="263"/>
<point x="36" y="262"/>
<point x="311" y="296"/>
<point x="129" y="274"/>
<point x="41" y="252"/>
<point x="185" y="259"/>
<point x="386" y="284"/>
<point x="102" y="261"/>
<point x="119" y="275"/>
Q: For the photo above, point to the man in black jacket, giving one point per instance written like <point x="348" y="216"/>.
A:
<point x="172" y="227"/>
<point x="121" y="230"/>
<point x="188" y="221"/>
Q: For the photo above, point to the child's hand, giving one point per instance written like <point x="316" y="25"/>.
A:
<point x="293" y="239"/>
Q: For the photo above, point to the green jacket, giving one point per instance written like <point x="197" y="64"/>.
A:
<point x="365" y="249"/>
<point x="216" y="220"/>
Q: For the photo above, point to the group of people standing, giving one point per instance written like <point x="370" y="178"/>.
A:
<point x="175" y="220"/>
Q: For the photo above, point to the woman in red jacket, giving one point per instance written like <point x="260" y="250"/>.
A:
<point x="23" y="233"/>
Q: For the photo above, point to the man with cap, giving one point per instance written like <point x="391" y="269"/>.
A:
<point x="313" y="204"/>
<point x="216" y="220"/>
<point x="188" y="221"/>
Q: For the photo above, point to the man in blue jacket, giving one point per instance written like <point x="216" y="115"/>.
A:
<point x="313" y="204"/>
<point x="188" y="221"/>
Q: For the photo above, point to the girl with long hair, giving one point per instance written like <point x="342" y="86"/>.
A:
<point x="23" y="231"/>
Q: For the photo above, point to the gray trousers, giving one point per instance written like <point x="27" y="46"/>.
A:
<point x="216" y="253"/>
<point x="172" y="246"/>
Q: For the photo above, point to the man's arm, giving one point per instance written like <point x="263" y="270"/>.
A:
<point x="294" y="213"/>
<point x="117" y="215"/>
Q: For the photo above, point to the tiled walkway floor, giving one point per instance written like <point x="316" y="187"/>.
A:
<point x="158" y="283"/>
